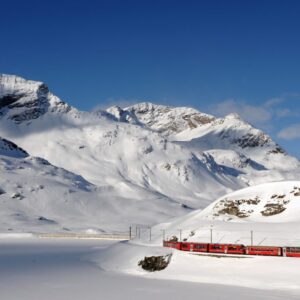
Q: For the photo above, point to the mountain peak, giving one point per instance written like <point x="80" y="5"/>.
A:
<point x="15" y="85"/>
<point x="168" y="120"/>
<point x="121" y="115"/>
<point x="24" y="100"/>
<point x="233" y="116"/>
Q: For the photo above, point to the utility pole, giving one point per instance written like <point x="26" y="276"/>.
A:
<point x="129" y="232"/>
<point x="164" y="233"/>
<point x="251" y="237"/>
<point x="136" y="231"/>
<point x="180" y="231"/>
<point x="150" y="234"/>
<point x="211" y="235"/>
<point x="139" y="232"/>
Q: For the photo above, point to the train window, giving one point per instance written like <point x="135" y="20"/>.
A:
<point x="216" y="247"/>
<point x="199" y="246"/>
<point x="263" y="249"/>
<point x="232" y="248"/>
<point x="293" y="249"/>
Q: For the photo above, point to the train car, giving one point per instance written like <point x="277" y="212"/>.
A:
<point x="227" y="248"/>
<point x="291" y="251"/>
<point x="175" y="245"/>
<point x="235" y="249"/>
<point x="216" y="248"/>
<point x="264" y="250"/>
<point x="185" y="246"/>
<point x="199" y="247"/>
<point x="194" y="247"/>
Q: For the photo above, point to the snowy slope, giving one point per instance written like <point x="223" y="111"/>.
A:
<point x="150" y="162"/>
<point x="37" y="196"/>
<point x="269" y="202"/>
<point x="8" y="148"/>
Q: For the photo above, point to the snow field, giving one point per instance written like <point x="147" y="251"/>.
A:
<point x="86" y="269"/>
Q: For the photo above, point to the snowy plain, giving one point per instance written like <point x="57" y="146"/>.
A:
<point x="89" y="269"/>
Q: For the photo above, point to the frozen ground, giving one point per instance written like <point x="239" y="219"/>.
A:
<point x="89" y="269"/>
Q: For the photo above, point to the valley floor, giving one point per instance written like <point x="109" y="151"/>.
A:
<point x="65" y="269"/>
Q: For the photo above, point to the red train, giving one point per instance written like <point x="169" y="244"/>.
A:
<point x="234" y="249"/>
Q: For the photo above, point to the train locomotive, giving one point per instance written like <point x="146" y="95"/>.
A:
<point x="237" y="249"/>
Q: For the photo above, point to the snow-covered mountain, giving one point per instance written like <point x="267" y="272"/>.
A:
<point x="107" y="152"/>
<point x="37" y="196"/>
<point x="233" y="143"/>
<point x="236" y="144"/>
<point x="144" y="157"/>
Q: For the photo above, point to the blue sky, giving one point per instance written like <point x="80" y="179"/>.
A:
<point x="217" y="56"/>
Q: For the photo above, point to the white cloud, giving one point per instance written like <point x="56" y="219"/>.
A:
<point x="284" y="113"/>
<point x="251" y="113"/>
<point x="260" y="115"/>
<point x="290" y="133"/>
<point x="115" y="102"/>
<point x="273" y="102"/>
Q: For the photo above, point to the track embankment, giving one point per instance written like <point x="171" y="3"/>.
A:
<point x="73" y="235"/>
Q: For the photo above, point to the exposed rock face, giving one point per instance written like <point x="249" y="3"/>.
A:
<point x="272" y="209"/>
<point x="122" y="115"/>
<point x="25" y="100"/>
<point x="250" y="140"/>
<point x="173" y="239"/>
<point x="9" y="148"/>
<point x="155" y="263"/>
<point x="9" y="99"/>
<point x="241" y="208"/>
<point x="168" y="120"/>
